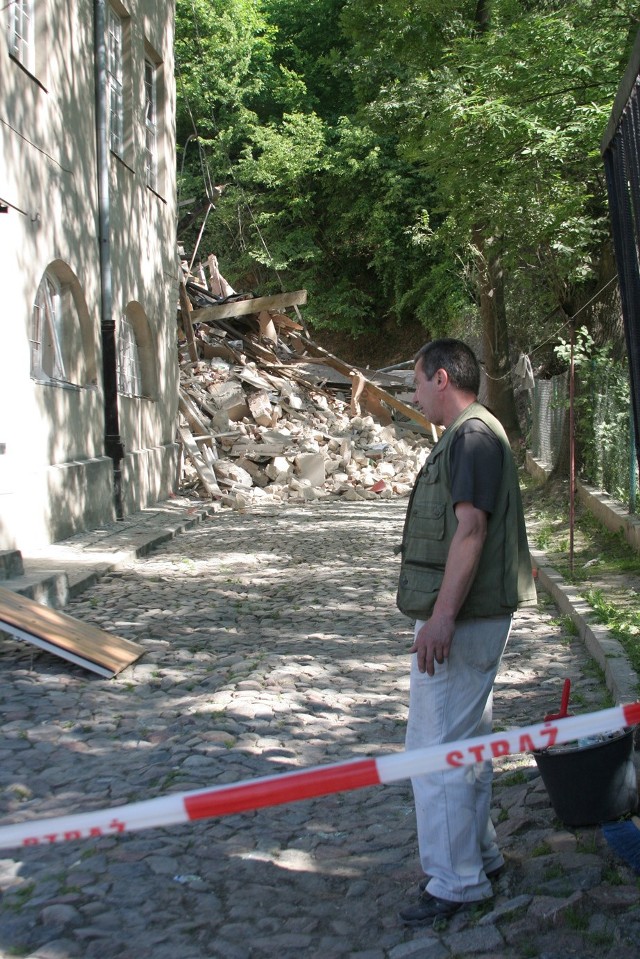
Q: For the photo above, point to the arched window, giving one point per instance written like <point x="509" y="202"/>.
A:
<point x="136" y="354"/>
<point x="61" y="336"/>
<point x="46" y="332"/>
<point x="129" y="371"/>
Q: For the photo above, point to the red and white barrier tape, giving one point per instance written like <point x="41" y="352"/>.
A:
<point x="315" y="781"/>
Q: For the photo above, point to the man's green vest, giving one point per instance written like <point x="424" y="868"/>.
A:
<point x="504" y="579"/>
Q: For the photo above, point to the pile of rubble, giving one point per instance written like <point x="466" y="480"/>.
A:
<point x="267" y="415"/>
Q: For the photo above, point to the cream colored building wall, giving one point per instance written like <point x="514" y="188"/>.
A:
<point x="54" y="475"/>
<point x="144" y="262"/>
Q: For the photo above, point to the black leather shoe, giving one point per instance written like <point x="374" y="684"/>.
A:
<point x="428" y="909"/>
<point x="492" y="875"/>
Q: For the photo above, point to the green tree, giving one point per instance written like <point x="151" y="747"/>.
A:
<point x="223" y="54"/>
<point x="506" y="118"/>
<point x="315" y="198"/>
<point x="409" y="160"/>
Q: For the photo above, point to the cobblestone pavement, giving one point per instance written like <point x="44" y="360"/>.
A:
<point x="272" y="643"/>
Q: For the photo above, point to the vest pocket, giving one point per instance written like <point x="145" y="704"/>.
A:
<point x="427" y="520"/>
<point x="418" y="590"/>
<point x="425" y="543"/>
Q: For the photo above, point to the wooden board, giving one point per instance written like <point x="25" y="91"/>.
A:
<point x="203" y="467"/>
<point x="54" y="631"/>
<point x="186" y="310"/>
<point x="192" y="414"/>
<point x="256" y="304"/>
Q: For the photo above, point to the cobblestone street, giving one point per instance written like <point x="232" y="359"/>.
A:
<point x="272" y="642"/>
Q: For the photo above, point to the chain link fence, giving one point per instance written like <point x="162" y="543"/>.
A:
<point x="603" y="427"/>
<point x="549" y="399"/>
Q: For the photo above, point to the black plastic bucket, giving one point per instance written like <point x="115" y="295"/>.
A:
<point x="593" y="783"/>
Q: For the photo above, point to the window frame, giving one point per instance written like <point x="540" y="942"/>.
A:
<point x="47" y="361"/>
<point x="114" y="41"/>
<point x="21" y="33"/>
<point x="151" y="125"/>
<point x="129" y="367"/>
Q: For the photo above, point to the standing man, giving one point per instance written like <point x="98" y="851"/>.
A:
<point x="465" y="569"/>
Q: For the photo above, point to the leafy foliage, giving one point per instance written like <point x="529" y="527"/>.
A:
<point x="508" y="123"/>
<point x="366" y="145"/>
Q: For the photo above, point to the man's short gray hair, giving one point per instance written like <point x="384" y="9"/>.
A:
<point x="456" y="358"/>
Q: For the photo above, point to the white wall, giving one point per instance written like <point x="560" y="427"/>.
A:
<point x="54" y="475"/>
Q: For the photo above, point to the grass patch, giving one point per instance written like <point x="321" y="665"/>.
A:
<point x="576" y="920"/>
<point x="543" y="849"/>
<point x="599" y="938"/>
<point x="595" y="547"/>
<point x="612" y="877"/>
<point x="516" y="778"/>
<point x="480" y="909"/>
<point x="544" y="538"/>
<point x="566" y="624"/>
<point x="621" y="621"/>
<point x="598" y="553"/>
<point x="16" y="899"/>
<point x="529" y="951"/>
<point x="587" y="843"/>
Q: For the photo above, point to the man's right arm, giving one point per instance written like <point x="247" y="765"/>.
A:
<point x="433" y="641"/>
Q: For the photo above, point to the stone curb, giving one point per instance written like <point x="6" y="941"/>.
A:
<point x="136" y="544"/>
<point x="622" y="680"/>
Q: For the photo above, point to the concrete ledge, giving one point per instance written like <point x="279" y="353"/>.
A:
<point x="10" y="563"/>
<point x="148" y="476"/>
<point x="84" y="558"/>
<point x="535" y="468"/>
<point x="610" y="513"/>
<point x="53" y="502"/>
<point x="622" y="680"/>
<point x="47" y="587"/>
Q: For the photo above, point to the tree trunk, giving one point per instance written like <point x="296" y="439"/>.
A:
<point x="495" y="336"/>
<point x="482" y="16"/>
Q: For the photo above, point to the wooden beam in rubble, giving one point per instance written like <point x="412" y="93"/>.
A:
<point x="337" y="364"/>
<point x="186" y="310"/>
<point x="256" y="304"/>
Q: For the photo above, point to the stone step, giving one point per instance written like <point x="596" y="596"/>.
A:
<point x="48" y="587"/>
<point x="11" y="563"/>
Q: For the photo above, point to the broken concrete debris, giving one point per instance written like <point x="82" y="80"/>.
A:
<point x="268" y="416"/>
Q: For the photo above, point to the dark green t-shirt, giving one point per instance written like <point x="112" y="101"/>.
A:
<point x="475" y="465"/>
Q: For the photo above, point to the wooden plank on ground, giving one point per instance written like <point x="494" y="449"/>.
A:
<point x="221" y="349"/>
<point x="260" y="351"/>
<point x="267" y="326"/>
<point x="221" y="311"/>
<point x="54" y="631"/>
<point x="282" y="321"/>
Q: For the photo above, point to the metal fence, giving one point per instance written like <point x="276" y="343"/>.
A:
<point x="548" y="409"/>
<point x="621" y="156"/>
<point x="603" y="425"/>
